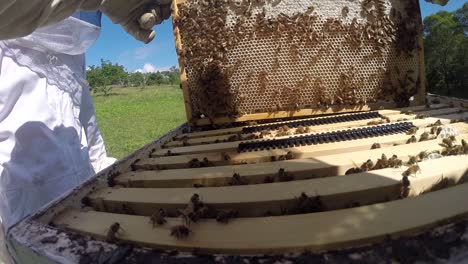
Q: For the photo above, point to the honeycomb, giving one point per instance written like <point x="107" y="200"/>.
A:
<point x="262" y="56"/>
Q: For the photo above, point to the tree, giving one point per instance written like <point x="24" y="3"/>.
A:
<point x="446" y="46"/>
<point x="105" y="77"/>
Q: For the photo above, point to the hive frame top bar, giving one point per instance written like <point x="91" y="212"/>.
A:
<point x="286" y="58"/>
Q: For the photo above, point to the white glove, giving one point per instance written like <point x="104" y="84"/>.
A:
<point x="137" y="17"/>
<point x="438" y="2"/>
<point x="19" y="18"/>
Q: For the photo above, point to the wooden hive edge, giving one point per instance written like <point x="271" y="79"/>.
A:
<point x="275" y="235"/>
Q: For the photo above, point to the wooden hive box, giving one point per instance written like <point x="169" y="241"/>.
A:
<point x="324" y="193"/>
<point x="369" y="181"/>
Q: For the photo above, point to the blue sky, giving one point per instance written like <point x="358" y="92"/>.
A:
<point x="115" y="45"/>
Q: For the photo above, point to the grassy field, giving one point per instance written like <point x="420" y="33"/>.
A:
<point x="130" y="117"/>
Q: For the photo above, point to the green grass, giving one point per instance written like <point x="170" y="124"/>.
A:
<point x="129" y="118"/>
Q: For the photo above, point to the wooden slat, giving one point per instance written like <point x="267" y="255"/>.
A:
<point x="272" y="235"/>
<point x="301" y="169"/>
<point x="302" y="152"/>
<point x="231" y="146"/>
<point x="256" y="200"/>
<point x="393" y="117"/>
<point x="235" y="130"/>
<point x="292" y="114"/>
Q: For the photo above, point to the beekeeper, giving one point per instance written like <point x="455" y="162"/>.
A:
<point x="49" y="138"/>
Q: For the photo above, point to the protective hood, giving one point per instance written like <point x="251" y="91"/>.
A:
<point x="71" y="36"/>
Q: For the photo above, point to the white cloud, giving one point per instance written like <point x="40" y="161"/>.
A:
<point x="149" y="68"/>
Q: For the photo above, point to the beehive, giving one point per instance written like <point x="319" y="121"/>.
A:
<point x="246" y="60"/>
<point x="301" y="190"/>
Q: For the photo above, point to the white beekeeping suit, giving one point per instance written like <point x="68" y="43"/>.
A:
<point x="49" y="138"/>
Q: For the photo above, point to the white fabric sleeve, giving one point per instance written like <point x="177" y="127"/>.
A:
<point x="19" y="18"/>
<point x="96" y="149"/>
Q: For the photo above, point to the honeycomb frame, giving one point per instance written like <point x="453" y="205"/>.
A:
<point x="332" y="58"/>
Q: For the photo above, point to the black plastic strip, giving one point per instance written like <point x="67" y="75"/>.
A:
<point x="314" y="122"/>
<point x="329" y="137"/>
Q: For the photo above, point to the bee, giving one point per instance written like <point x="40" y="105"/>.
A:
<point x="375" y="123"/>
<point x="302" y="130"/>
<point x="158" y="218"/>
<point x="368" y="165"/>
<point x="205" y="162"/>
<point x="412" y="131"/>
<point x="265" y="133"/>
<point x="180" y="231"/>
<point x="464" y="147"/>
<point x="412" y="160"/>
<point x="412" y="170"/>
<point x="353" y="171"/>
<point x="194" y="163"/>
<point x="225" y="156"/>
<point x="224" y="216"/>
<point x="283" y="176"/>
<point x="306" y="204"/>
<point x="394" y="162"/>
<point x="345" y="11"/>
<point x="237" y="180"/>
<point x="289" y="155"/>
<point x="421" y="116"/>
<point x="233" y="138"/>
<point x="382" y="163"/>
<point x="376" y="146"/>
<point x="412" y="139"/>
<point x="405" y="186"/>
<point x="424" y="137"/>
<point x="447" y="142"/>
<point x="114" y="229"/>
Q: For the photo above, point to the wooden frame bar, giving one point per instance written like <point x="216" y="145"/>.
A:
<point x="392" y="115"/>
<point x="255" y="200"/>
<point x="301" y="152"/>
<point x="322" y="166"/>
<point x="273" y="235"/>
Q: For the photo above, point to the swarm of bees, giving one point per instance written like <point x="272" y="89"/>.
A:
<point x="192" y="213"/>
<point x="196" y="163"/>
<point x="451" y="148"/>
<point x="208" y="36"/>
<point x="382" y="163"/>
<point x="305" y="204"/>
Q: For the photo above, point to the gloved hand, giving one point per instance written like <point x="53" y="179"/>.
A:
<point x="438" y="2"/>
<point x="137" y="17"/>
